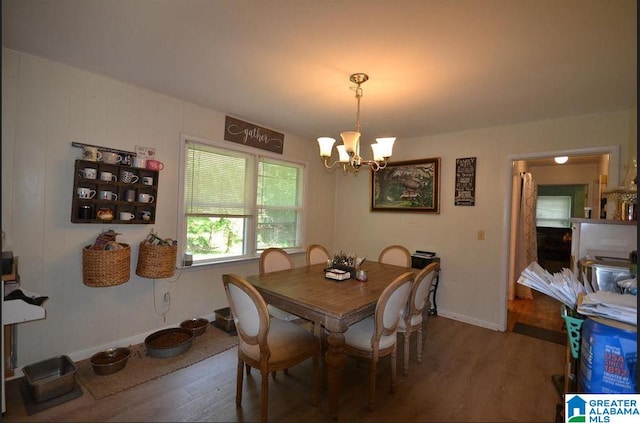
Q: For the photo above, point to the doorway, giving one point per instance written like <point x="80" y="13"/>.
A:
<point x="544" y="311"/>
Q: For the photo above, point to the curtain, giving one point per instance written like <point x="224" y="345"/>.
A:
<point x="526" y="248"/>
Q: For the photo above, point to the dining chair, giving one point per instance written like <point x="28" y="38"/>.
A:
<point x="395" y="254"/>
<point x="414" y="317"/>
<point x="316" y="253"/>
<point x="376" y="336"/>
<point x="266" y="344"/>
<point x="272" y="260"/>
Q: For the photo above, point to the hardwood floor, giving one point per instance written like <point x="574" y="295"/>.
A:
<point x="468" y="374"/>
<point x="543" y="311"/>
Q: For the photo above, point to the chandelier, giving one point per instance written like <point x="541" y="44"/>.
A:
<point x="349" y="152"/>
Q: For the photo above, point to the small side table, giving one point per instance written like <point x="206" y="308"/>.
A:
<point x="420" y="263"/>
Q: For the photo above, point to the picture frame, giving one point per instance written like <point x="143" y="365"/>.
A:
<point x="407" y="186"/>
<point x="465" y="187"/>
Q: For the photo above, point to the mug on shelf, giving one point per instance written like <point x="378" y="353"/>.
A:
<point x="104" y="214"/>
<point x="86" y="193"/>
<point x="138" y="162"/>
<point x="130" y="195"/>
<point x="111" y="158"/>
<point x="145" y="215"/>
<point x="155" y="165"/>
<point x="91" y="153"/>
<point x="89" y="173"/>
<point x="85" y="211"/>
<point x="107" y="195"/>
<point x="147" y="180"/>
<point x="128" y="177"/>
<point x="108" y="176"/>
<point x="145" y="198"/>
<point x="127" y="216"/>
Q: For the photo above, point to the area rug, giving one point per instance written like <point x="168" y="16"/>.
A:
<point x="141" y="368"/>
<point x="541" y="333"/>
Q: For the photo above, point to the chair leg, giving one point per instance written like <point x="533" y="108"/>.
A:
<point x="264" y="396"/>
<point x="239" y="378"/>
<point x="419" y="343"/>
<point x="248" y="370"/>
<point x="373" y="368"/>
<point x="316" y="380"/>
<point x="405" y="354"/>
<point x="393" y="368"/>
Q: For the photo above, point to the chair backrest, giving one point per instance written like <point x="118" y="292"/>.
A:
<point x="420" y="290"/>
<point x="249" y="311"/>
<point x="274" y="259"/>
<point x="395" y="254"/>
<point x="391" y="303"/>
<point x="316" y="253"/>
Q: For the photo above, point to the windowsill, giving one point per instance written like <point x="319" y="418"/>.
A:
<point x="238" y="260"/>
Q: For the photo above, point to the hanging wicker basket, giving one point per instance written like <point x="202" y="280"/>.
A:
<point x="156" y="261"/>
<point x="106" y="267"/>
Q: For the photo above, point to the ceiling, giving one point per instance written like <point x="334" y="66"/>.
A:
<point x="435" y="66"/>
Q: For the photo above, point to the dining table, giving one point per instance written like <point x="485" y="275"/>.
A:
<point x="335" y="305"/>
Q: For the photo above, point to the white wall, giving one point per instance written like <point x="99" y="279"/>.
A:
<point x="474" y="272"/>
<point x="46" y="106"/>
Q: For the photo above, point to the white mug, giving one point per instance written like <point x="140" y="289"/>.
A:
<point x="138" y="162"/>
<point x="111" y="158"/>
<point x="89" y="173"/>
<point x="107" y="195"/>
<point x="147" y="180"/>
<point x="128" y="177"/>
<point x="126" y="216"/>
<point x="108" y="176"/>
<point x="145" y="215"/>
<point x="91" y="153"/>
<point x="86" y="193"/>
<point x="145" y="198"/>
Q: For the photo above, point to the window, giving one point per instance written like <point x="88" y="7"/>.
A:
<point x="553" y="211"/>
<point x="237" y="203"/>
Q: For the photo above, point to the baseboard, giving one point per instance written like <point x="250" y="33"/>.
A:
<point x="467" y="319"/>
<point x="85" y="354"/>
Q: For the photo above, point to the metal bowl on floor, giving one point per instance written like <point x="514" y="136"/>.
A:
<point x="168" y="343"/>
<point x="110" y="361"/>
<point x="196" y="325"/>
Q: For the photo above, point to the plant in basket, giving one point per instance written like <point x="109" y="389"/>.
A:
<point x="157" y="257"/>
<point x="106" y="262"/>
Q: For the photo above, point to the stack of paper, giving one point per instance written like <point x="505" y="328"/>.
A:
<point x="620" y="307"/>
<point x="562" y="286"/>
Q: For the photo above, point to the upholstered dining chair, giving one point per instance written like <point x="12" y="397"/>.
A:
<point x="376" y="336"/>
<point x="414" y="317"/>
<point x="272" y="260"/>
<point x="266" y="344"/>
<point x="316" y="253"/>
<point x="395" y="254"/>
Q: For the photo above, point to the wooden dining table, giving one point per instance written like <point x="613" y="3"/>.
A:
<point x="335" y="305"/>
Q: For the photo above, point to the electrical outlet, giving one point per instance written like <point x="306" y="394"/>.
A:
<point x="481" y="235"/>
<point x="166" y="298"/>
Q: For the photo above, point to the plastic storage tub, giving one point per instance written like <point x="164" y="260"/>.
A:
<point x="51" y="378"/>
<point x="224" y="320"/>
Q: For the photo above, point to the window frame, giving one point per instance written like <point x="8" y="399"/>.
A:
<point x="251" y="232"/>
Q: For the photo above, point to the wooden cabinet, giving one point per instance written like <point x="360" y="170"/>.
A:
<point x="100" y="188"/>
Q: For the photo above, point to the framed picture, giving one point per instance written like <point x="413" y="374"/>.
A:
<point x="410" y="186"/>
<point x="465" y="194"/>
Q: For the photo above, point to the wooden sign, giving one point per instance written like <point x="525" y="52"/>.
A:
<point x="246" y="133"/>
<point x="465" y="194"/>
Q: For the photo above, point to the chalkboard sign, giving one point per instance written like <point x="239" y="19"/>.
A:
<point x="246" y="133"/>
<point x="465" y="194"/>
